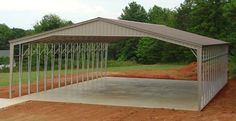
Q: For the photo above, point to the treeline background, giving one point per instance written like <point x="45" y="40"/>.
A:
<point x="212" y="18"/>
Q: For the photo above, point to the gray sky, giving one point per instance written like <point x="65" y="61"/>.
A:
<point x="25" y="13"/>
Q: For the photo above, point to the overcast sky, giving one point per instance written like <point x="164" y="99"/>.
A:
<point x="25" y="13"/>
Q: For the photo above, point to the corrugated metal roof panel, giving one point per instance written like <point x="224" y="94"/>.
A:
<point x="156" y="30"/>
<point x="169" y="32"/>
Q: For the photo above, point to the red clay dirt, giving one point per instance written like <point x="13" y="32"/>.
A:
<point x="221" y="108"/>
<point x="188" y="72"/>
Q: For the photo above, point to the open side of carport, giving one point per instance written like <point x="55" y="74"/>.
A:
<point x="92" y="37"/>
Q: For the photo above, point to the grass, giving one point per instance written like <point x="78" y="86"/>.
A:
<point x="112" y="66"/>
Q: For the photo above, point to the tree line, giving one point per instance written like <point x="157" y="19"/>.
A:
<point x="212" y="18"/>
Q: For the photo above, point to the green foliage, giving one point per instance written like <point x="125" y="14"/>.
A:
<point x="151" y="51"/>
<point x="203" y="17"/>
<point x="4" y="60"/>
<point x="164" y="16"/>
<point x="183" y="18"/>
<point x="134" y="12"/>
<point x="212" y="18"/>
<point x="50" y="22"/>
<point x="125" y="50"/>
<point x="148" y="51"/>
<point x="230" y="14"/>
<point x="5" y="33"/>
<point x="233" y="65"/>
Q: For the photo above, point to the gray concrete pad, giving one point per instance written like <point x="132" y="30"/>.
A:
<point x="134" y="92"/>
<point x="9" y="102"/>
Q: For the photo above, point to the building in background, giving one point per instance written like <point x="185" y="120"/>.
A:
<point x="4" y="59"/>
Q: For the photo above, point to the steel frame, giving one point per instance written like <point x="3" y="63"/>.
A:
<point x="212" y="64"/>
<point x="212" y="72"/>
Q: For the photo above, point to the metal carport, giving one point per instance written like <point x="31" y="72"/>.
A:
<point x="92" y="37"/>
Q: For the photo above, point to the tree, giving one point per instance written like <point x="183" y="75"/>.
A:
<point x="208" y="18"/>
<point x="17" y="33"/>
<point x="203" y="17"/>
<point x="125" y="50"/>
<point x="50" y="22"/>
<point x="152" y="51"/>
<point x="230" y="14"/>
<point x="148" y="51"/>
<point x="5" y="33"/>
<point x="164" y="16"/>
<point x="134" y="12"/>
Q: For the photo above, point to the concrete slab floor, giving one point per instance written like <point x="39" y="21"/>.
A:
<point x="9" y="102"/>
<point x="134" y="92"/>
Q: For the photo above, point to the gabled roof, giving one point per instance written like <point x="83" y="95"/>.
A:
<point x="169" y="32"/>
<point x="122" y="29"/>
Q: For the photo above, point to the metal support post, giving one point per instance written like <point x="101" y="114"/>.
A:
<point x="72" y="63"/>
<point x="11" y="69"/>
<point x="38" y="67"/>
<point x="77" y="62"/>
<point x="88" y="59"/>
<point x="106" y="54"/>
<point x="97" y="59"/>
<point x="29" y="65"/>
<point x="66" y="63"/>
<point x="59" y="64"/>
<point x="101" y="69"/>
<point x="93" y="54"/>
<point x="52" y="64"/>
<point x="45" y="65"/>
<point x="21" y="56"/>
<point x="83" y="59"/>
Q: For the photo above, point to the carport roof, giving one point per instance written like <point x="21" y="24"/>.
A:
<point x="146" y="28"/>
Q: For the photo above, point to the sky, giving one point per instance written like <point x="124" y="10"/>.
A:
<point x="25" y="13"/>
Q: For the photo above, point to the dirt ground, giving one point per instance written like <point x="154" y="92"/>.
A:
<point x="185" y="73"/>
<point x="188" y="72"/>
<point x="221" y="108"/>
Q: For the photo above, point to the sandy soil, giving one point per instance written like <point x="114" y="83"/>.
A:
<point x="221" y="108"/>
<point x="186" y="73"/>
